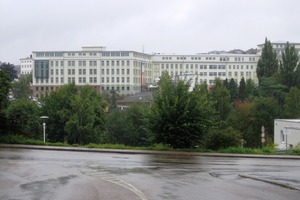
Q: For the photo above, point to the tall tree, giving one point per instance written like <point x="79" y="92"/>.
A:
<point x="4" y="91"/>
<point x="221" y="99"/>
<point x="86" y="119"/>
<point x="267" y="64"/>
<point x="233" y="90"/>
<point x="242" y="94"/>
<point x="57" y="105"/>
<point x="289" y="66"/>
<point x="251" y="89"/>
<point x="178" y="117"/>
<point x="10" y="70"/>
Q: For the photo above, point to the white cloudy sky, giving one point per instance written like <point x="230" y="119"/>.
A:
<point x="161" y="26"/>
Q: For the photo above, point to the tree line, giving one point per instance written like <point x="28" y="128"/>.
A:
<point x="227" y="114"/>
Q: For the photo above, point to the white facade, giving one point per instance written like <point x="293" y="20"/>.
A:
<point x="105" y="70"/>
<point x="286" y="133"/>
<point x="130" y="72"/>
<point x="279" y="47"/>
<point x="26" y="65"/>
<point x="206" y="67"/>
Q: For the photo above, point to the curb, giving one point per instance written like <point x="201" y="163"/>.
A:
<point x="128" y="151"/>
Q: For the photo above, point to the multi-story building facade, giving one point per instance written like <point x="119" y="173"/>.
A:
<point x="130" y="71"/>
<point x="125" y="71"/>
<point x="26" y="65"/>
<point x="279" y="47"/>
<point x="206" y="67"/>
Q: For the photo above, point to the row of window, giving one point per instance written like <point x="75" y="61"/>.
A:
<point x="196" y="66"/>
<point x="226" y="58"/>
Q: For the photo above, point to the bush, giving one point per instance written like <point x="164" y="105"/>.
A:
<point x="221" y="139"/>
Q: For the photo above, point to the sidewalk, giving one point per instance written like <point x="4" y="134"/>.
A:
<point x="128" y="151"/>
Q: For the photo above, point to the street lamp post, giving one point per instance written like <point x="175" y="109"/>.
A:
<point x="44" y="126"/>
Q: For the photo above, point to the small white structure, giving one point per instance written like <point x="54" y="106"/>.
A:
<point x="286" y="133"/>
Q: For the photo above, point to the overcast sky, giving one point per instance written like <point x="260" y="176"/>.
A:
<point x="157" y="26"/>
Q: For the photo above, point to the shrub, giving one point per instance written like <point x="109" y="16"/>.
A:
<point x="221" y="139"/>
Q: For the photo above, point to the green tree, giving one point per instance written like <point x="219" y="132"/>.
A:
<point x="251" y="89"/>
<point x="86" y="120"/>
<point x="265" y="111"/>
<point x="289" y="66"/>
<point x="21" y="88"/>
<point x="233" y="90"/>
<point x="242" y="93"/>
<point x="292" y="103"/>
<point x="4" y="91"/>
<point x="10" y="70"/>
<point x="221" y="99"/>
<point x="267" y="64"/>
<point x="57" y="105"/>
<point x="128" y="127"/>
<point x="23" y="118"/>
<point x="179" y="118"/>
<point x="243" y="120"/>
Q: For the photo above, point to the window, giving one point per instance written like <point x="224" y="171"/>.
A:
<point x="112" y="71"/>
<point x="107" y="79"/>
<point x="83" y="71"/>
<point x="95" y="79"/>
<point x="73" y="71"/>
<point x="128" y="71"/>
<point x="95" y="71"/>
<point x="128" y="63"/>
<point x="107" y="71"/>
<point x="123" y="80"/>
<point x="118" y="71"/>
<point x="102" y="63"/>
<point x="62" y="80"/>
<point x="80" y="63"/>
<point x="61" y="72"/>
<point x="84" y="63"/>
<point x="80" y="71"/>
<point x="128" y="79"/>
<point x="107" y="63"/>
<point x="282" y="136"/>
<point x="102" y="79"/>
<point x="118" y="80"/>
<point x="56" y="71"/>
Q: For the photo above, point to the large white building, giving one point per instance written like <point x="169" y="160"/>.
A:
<point x="131" y="72"/>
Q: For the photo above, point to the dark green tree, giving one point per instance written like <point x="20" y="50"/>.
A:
<point x="128" y="127"/>
<point x="290" y="66"/>
<point x="251" y="89"/>
<point x="242" y="94"/>
<point x="221" y="99"/>
<point x="85" y="122"/>
<point x="179" y="118"/>
<point x="233" y="90"/>
<point x="23" y="118"/>
<point x="267" y="64"/>
<point x="10" y="70"/>
<point x="265" y="110"/>
<point x="292" y="103"/>
<point x="242" y="119"/>
<point x="4" y="91"/>
<point x="57" y="105"/>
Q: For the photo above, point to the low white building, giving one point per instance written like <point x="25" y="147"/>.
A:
<point x="286" y="133"/>
<point x="26" y="65"/>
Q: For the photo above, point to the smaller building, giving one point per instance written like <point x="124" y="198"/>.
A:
<point x="26" y="65"/>
<point x="286" y="133"/>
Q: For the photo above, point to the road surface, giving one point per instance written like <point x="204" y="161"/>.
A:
<point x="45" y="174"/>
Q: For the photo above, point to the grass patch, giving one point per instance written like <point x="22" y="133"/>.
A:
<point x="19" y="139"/>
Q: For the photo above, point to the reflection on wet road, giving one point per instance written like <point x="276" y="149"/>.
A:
<point x="43" y="174"/>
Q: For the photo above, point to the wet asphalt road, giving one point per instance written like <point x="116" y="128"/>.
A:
<point x="44" y="174"/>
